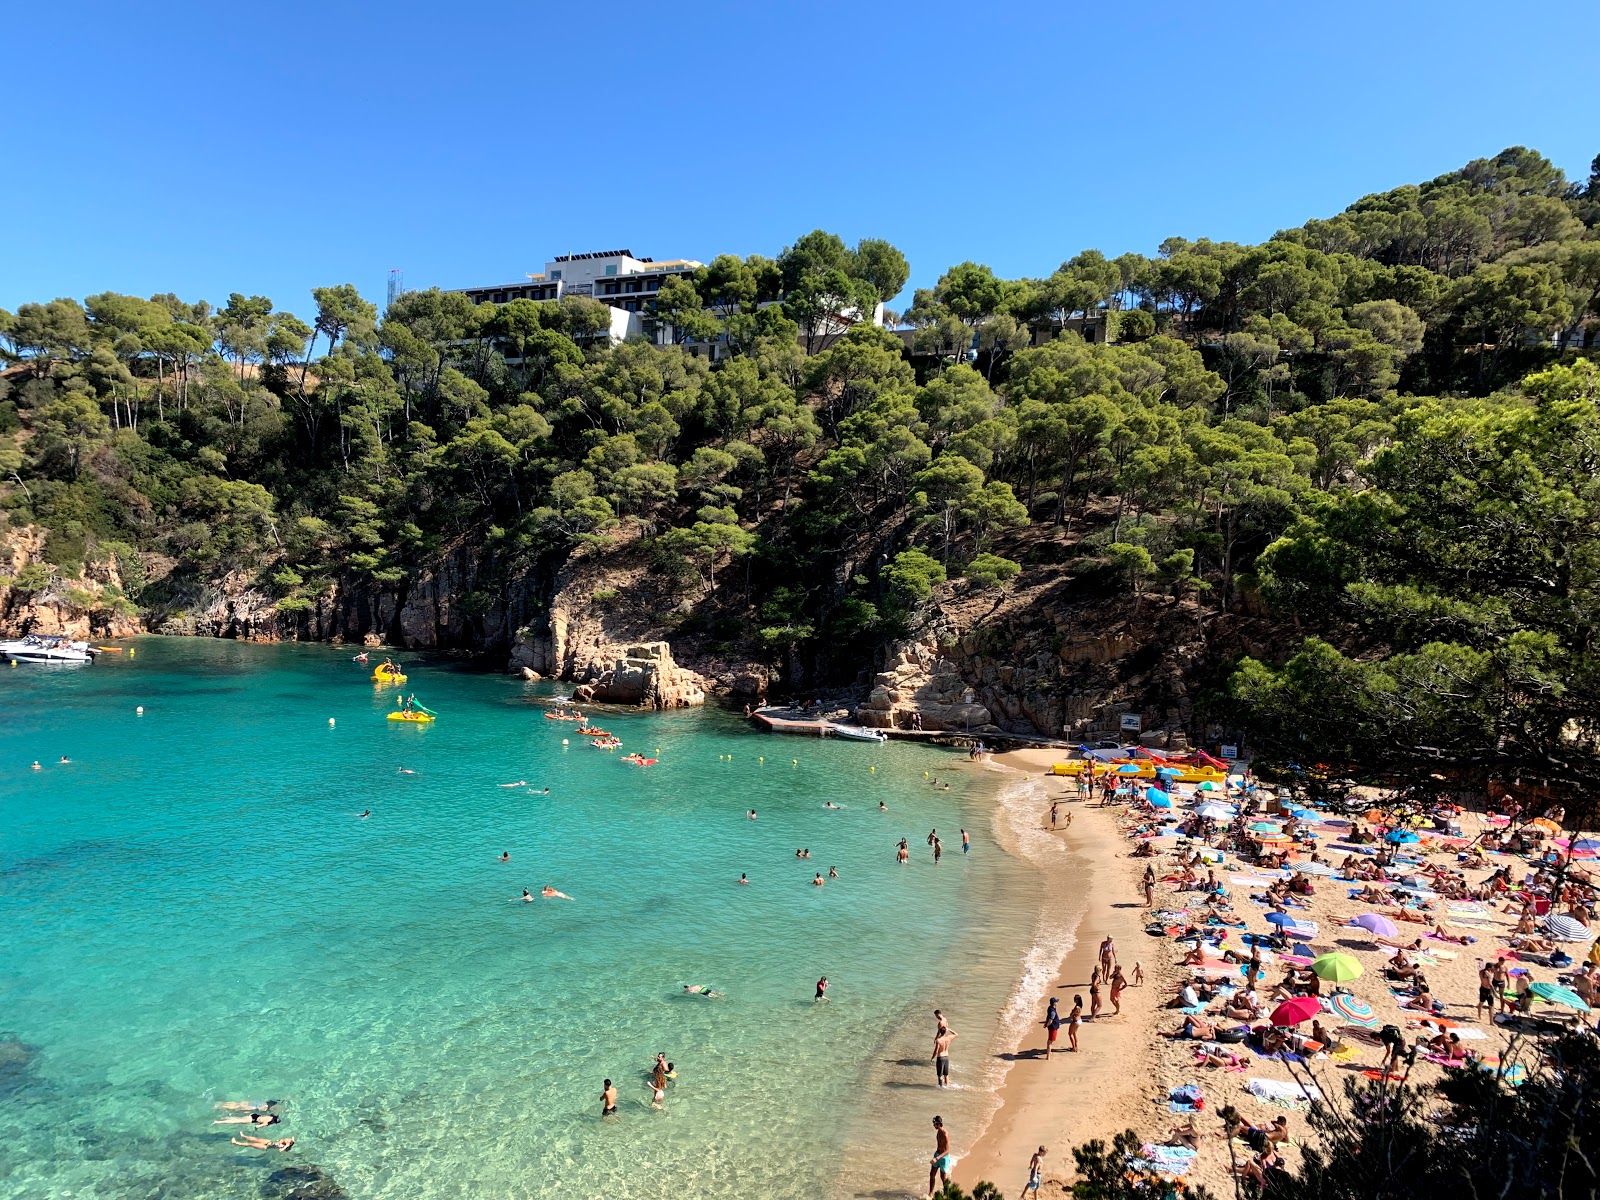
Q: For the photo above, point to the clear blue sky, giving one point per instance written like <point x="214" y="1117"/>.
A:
<point x="270" y="148"/>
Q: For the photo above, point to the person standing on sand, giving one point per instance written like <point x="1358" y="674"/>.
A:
<point x="1094" y="999"/>
<point x="1118" y="985"/>
<point x="1052" y="1025"/>
<point x="1035" y="1173"/>
<point x="1149" y="886"/>
<point x="1108" y="956"/>
<point x="1053" y="810"/>
<point x="1074" y="1019"/>
<point x="941" y="1055"/>
<point x="939" y="1167"/>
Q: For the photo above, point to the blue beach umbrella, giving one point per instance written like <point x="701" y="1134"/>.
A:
<point x="1264" y="827"/>
<point x="1158" y="798"/>
<point x="1401" y="837"/>
<point x="1129" y="769"/>
<point x="1556" y="994"/>
<point x="1278" y="918"/>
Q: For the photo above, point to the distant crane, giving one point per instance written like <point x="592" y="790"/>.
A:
<point x="397" y="288"/>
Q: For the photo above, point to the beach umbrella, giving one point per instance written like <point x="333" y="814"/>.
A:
<point x="1264" y="827"/>
<point x="1168" y="772"/>
<point x="1129" y="769"/>
<point x="1278" y="918"/>
<point x="1336" y="968"/>
<point x="1158" y="799"/>
<point x="1315" y="868"/>
<point x="1401" y="837"/>
<point x="1375" y="814"/>
<point x="1214" y="812"/>
<point x="1567" y="929"/>
<point x="1546" y="824"/>
<point x="1207" y="785"/>
<point x="1556" y="994"/>
<point x="1271" y="839"/>
<point x="1353" y="1010"/>
<point x="1586" y="847"/>
<point x="1293" y="1012"/>
<point x="1377" y="924"/>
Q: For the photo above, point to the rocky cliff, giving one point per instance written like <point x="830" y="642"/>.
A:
<point x="38" y="598"/>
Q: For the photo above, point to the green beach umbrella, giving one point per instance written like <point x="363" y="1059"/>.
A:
<point x="1556" y="994"/>
<point x="1336" y="968"/>
<point x="1208" y="786"/>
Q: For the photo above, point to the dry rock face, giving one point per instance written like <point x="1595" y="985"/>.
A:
<point x="919" y="681"/>
<point x="644" y="674"/>
<point x="71" y="608"/>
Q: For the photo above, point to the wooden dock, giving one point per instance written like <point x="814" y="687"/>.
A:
<point x="788" y="720"/>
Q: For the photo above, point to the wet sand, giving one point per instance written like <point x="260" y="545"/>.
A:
<point x="1069" y="1098"/>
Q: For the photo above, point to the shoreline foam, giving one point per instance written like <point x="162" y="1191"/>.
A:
<point x="1064" y="1101"/>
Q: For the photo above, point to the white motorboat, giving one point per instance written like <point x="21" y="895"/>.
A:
<point x="42" y="648"/>
<point x="856" y="733"/>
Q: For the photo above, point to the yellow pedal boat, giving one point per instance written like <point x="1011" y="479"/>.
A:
<point x="414" y="717"/>
<point x="387" y="677"/>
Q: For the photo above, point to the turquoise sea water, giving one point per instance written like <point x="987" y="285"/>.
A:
<point x="192" y="911"/>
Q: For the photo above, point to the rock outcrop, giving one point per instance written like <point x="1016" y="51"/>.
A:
<point x="35" y="598"/>
<point x="643" y="674"/>
<point x="920" y="682"/>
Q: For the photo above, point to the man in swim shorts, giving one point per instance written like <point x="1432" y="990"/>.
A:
<point x="941" y="1056"/>
<point x="608" y="1100"/>
<point x="939" y="1167"/>
<point x="822" y="989"/>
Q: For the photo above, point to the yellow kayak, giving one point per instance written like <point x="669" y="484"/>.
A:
<point x="387" y="677"/>
<point x="418" y="718"/>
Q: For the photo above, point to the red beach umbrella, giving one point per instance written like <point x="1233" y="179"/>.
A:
<point x="1293" y="1012"/>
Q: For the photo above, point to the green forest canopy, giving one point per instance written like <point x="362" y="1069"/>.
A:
<point x="1266" y="411"/>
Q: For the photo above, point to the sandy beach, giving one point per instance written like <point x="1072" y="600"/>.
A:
<point x="1128" y="1064"/>
<point x="1065" y="1100"/>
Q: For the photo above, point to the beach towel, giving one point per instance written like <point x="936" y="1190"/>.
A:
<point x="1169" y="1161"/>
<point x="1283" y="1095"/>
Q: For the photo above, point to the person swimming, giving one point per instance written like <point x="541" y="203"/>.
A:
<point x="550" y="893"/>
<point x="363" y="814"/>
<point x="831" y="804"/>
<point x="833" y="872"/>
<point x="742" y="879"/>
<point x="882" y="807"/>
<point x="518" y="783"/>
<point x="751" y="814"/>
<point x="255" y="1106"/>
<point x="255" y="1118"/>
<point x="256" y="1143"/>
<point x="698" y="989"/>
<point x="527" y="895"/>
<point x="505" y="856"/>
<point x="818" y="881"/>
<point x="65" y="760"/>
<point x="406" y="771"/>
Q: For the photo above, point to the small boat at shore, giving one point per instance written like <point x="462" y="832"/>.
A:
<point x="43" y="648"/>
<point x="857" y="733"/>
<point x="414" y="718"/>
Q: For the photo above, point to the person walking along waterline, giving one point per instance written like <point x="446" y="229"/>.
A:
<point x="1035" y="1173"/>
<point x="939" y="1167"/>
<point x="1052" y="1025"/>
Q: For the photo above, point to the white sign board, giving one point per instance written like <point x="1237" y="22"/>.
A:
<point x="1229" y="752"/>
<point x="1132" y="722"/>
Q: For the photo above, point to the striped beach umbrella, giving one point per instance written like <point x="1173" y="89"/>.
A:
<point x="1376" y="924"/>
<point x="1336" y="968"/>
<point x="1567" y="929"/>
<point x="1209" y="785"/>
<point x="1314" y="868"/>
<point x="1355" y="1011"/>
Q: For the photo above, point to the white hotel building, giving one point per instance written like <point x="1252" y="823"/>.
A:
<point x="616" y="278"/>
